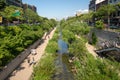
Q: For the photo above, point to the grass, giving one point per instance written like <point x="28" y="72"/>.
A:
<point x="88" y="68"/>
<point x="45" y="68"/>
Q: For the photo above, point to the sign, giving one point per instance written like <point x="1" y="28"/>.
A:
<point x="17" y="13"/>
<point x="0" y="19"/>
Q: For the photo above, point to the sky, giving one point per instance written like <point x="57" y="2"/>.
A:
<point x="58" y="9"/>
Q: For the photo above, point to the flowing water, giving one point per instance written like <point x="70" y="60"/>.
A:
<point x="62" y="69"/>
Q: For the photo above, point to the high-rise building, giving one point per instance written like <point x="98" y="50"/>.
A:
<point x="17" y="3"/>
<point x="92" y="6"/>
<point x="114" y="1"/>
<point x="100" y="3"/>
<point x="32" y="7"/>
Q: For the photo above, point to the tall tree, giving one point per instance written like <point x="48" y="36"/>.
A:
<point x="9" y="11"/>
<point x="105" y="11"/>
<point x="2" y="4"/>
<point x="87" y="16"/>
<point x="31" y="16"/>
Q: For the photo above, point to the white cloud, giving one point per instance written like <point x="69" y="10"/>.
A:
<point x="82" y="11"/>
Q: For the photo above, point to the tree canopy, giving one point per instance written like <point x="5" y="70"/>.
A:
<point x="2" y="4"/>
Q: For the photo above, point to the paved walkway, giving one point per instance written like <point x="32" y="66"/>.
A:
<point x="90" y="48"/>
<point x="25" y="70"/>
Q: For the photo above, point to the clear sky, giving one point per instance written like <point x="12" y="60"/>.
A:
<point x="58" y="8"/>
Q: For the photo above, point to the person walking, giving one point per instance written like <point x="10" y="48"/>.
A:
<point x="33" y="60"/>
<point x="28" y="60"/>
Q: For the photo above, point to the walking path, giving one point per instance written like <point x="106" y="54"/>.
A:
<point x="91" y="49"/>
<point x="25" y="70"/>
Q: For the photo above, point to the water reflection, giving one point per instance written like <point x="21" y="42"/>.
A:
<point x="62" y="71"/>
<point x="63" y="48"/>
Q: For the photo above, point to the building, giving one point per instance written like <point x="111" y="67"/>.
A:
<point x="114" y="1"/>
<point x="96" y="4"/>
<point x="78" y="13"/>
<point x="92" y="6"/>
<point x="17" y="3"/>
<point x="116" y="16"/>
<point x="32" y="7"/>
<point x="100" y="3"/>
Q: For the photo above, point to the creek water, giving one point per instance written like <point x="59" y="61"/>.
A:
<point x="61" y="63"/>
<point x="62" y="69"/>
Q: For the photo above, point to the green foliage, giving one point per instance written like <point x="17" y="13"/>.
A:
<point x="31" y="16"/>
<point x="76" y="27"/>
<point x="9" y="11"/>
<point x="68" y="36"/>
<point x="99" y="24"/>
<point x="105" y="11"/>
<point x="86" y="17"/>
<point x="52" y="47"/>
<point x="2" y="4"/>
<point x="88" y="68"/>
<point x="45" y="68"/>
<point x="14" y="39"/>
<point x="94" y="38"/>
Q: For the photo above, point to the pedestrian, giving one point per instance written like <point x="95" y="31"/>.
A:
<point x="33" y="62"/>
<point x="103" y="45"/>
<point x="28" y="60"/>
<point x="33" y="52"/>
<point x="48" y="37"/>
<point x="33" y="59"/>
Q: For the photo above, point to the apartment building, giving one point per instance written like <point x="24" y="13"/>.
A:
<point x="99" y="3"/>
<point x="114" y="1"/>
<point x="32" y="7"/>
<point x="92" y="6"/>
<point x="17" y="3"/>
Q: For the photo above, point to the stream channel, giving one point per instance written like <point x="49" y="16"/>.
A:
<point x="61" y="63"/>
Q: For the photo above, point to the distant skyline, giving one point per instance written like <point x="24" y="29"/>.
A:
<point x="58" y="8"/>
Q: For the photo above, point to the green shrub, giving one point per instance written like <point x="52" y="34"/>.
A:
<point x="14" y="39"/>
<point x="45" y="68"/>
<point x="99" y="24"/>
<point x="94" y="38"/>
